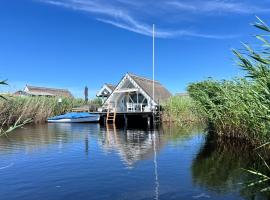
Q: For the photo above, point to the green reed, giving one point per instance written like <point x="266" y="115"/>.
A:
<point x="240" y="107"/>
<point x="17" y="124"/>
<point x="181" y="110"/>
<point x="36" y="108"/>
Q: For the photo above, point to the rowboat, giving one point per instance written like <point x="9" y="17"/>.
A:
<point x="74" y="117"/>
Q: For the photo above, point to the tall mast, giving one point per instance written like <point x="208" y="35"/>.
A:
<point x="153" y="62"/>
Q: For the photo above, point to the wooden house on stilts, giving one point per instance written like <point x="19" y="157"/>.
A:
<point x="133" y="95"/>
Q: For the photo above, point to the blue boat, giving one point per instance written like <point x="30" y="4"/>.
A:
<point x="74" y="117"/>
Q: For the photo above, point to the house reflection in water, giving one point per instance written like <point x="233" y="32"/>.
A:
<point x="132" y="145"/>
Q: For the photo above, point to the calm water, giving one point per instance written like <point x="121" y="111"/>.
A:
<point x="88" y="161"/>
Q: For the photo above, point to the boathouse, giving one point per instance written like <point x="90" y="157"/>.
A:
<point x="135" y="94"/>
<point x="105" y="91"/>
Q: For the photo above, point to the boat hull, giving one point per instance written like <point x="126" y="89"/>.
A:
<point x="76" y="120"/>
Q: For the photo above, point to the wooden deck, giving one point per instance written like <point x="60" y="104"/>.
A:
<point x="128" y="117"/>
<point x="123" y="113"/>
<point x="125" y="118"/>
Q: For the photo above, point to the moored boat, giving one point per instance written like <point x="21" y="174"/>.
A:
<point x="74" y="117"/>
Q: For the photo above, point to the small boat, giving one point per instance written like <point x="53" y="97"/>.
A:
<point x="74" y="117"/>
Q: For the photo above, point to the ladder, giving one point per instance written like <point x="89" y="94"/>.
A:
<point x="111" y="116"/>
<point x="157" y="115"/>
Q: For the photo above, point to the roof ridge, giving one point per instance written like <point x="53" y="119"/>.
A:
<point x="142" y="77"/>
<point x="109" y="84"/>
<point x="48" y="88"/>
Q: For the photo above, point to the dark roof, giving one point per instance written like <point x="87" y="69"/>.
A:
<point x="101" y="93"/>
<point x="44" y="91"/>
<point x="161" y="93"/>
<point x="111" y="86"/>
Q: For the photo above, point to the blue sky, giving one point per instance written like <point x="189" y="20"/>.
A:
<point x="73" y="43"/>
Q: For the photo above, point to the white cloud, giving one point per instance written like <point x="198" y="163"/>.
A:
<point x="147" y="30"/>
<point x="121" y="14"/>
<point x="217" y="7"/>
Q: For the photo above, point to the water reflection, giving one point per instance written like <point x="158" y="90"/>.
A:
<point x="132" y="145"/>
<point x="96" y="162"/>
<point x="219" y="166"/>
<point x="33" y="138"/>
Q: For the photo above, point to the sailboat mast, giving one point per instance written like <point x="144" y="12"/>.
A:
<point x="153" y="62"/>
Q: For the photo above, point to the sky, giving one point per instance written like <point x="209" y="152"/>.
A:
<point x="73" y="43"/>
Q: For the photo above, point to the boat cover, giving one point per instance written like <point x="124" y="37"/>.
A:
<point x="72" y="115"/>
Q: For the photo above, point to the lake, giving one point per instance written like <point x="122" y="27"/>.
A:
<point x="89" y="161"/>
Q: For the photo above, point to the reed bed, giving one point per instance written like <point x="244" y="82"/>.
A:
<point x="240" y="107"/>
<point x="38" y="109"/>
<point x="181" y="110"/>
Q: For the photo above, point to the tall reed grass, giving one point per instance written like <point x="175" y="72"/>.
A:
<point x="17" y="123"/>
<point x="36" y="108"/>
<point x="240" y="107"/>
<point x="181" y="110"/>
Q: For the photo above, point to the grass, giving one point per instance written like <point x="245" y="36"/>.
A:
<point x="36" y="108"/>
<point x="16" y="111"/>
<point x="240" y="107"/>
<point x="17" y="124"/>
<point x="181" y="110"/>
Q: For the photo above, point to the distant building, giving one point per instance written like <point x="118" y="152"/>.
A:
<point x="43" y="91"/>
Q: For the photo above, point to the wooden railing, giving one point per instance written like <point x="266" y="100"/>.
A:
<point x="136" y="107"/>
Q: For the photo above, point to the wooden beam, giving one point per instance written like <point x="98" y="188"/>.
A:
<point x="126" y="90"/>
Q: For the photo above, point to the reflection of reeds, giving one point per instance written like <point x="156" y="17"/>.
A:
<point x="218" y="166"/>
<point x="262" y="176"/>
<point x="177" y="132"/>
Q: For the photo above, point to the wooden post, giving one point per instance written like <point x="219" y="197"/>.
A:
<point x="126" y="119"/>
<point x="148" y="121"/>
<point x="137" y="99"/>
<point x="104" y="120"/>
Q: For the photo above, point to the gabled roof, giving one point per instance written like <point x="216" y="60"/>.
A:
<point x="146" y="85"/>
<point x="161" y="93"/>
<point x="109" y="88"/>
<point x="44" y="91"/>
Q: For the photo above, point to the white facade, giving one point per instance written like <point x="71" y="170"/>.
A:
<point x="128" y="96"/>
<point x="105" y="91"/>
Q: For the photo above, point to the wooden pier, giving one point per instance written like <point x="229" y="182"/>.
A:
<point x="130" y="118"/>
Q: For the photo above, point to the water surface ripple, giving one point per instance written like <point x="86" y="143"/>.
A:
<point x="88" y="161"/>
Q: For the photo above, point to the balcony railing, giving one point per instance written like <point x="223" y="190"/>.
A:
<point x="137" y="107"/>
